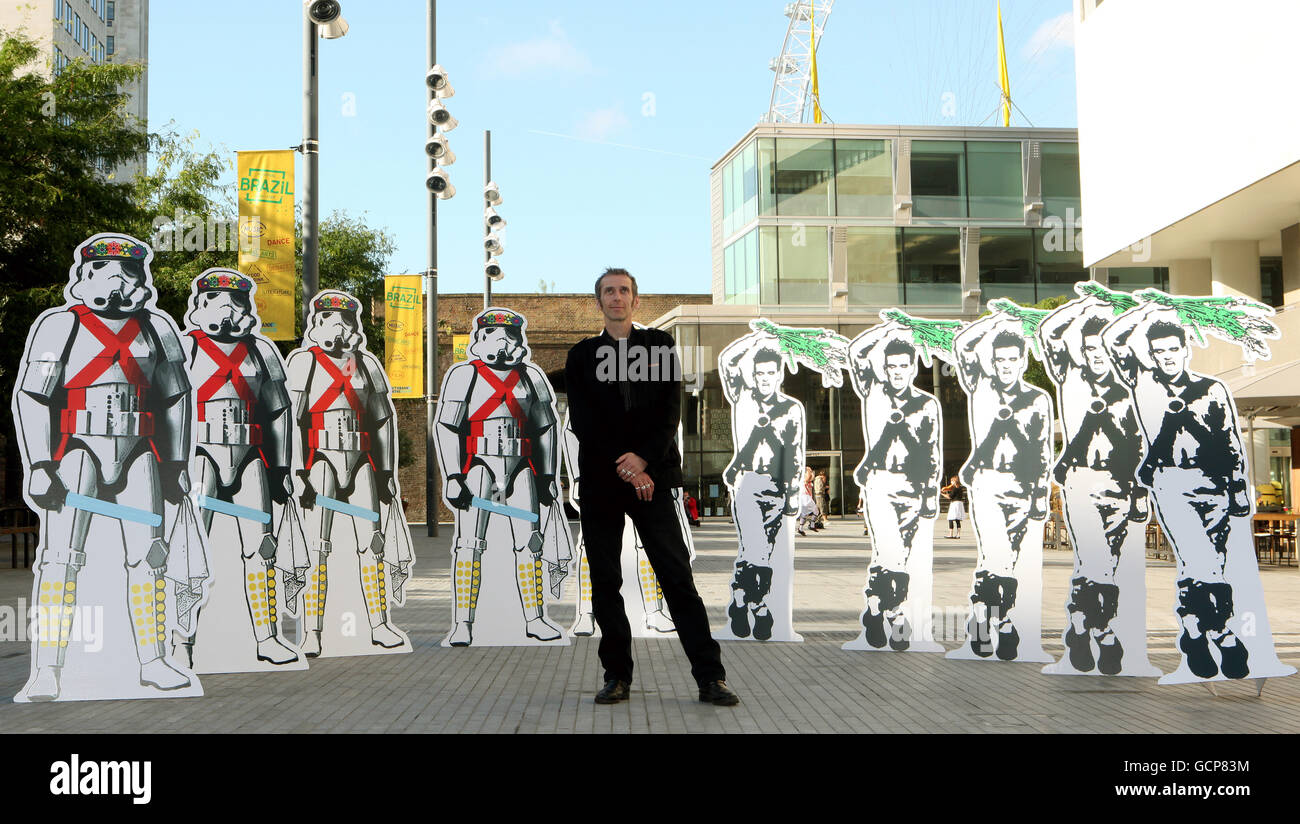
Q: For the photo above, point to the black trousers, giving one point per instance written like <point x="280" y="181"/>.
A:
<point x="658" y="524"/>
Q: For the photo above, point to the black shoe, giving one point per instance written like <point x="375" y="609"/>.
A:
<point x="978" y="631"/>
<point x="900" y="636"/>
<point x="763" y="626"/>
<point x="1197" y="651"/>
<point x="1110" y="658"/>
<point x="1008" y="642"/>
<point x="739" y="615"/>
<point x="613" y="692"/>
<point x="1080" y="646"/>
<point x="874" y="626"/>
<point x="718" y="694"/>
<point x="800" y="533"/>
<point x="1233" y="657"/>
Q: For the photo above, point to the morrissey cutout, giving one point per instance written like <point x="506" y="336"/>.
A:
<point x="102" y="407"/>
<point x="499" y="445"/>
<point x="766" y="471"/>
<point x="1198" y="472"/>
<point x="899" y="477"/>
<point x="1007" y="476"/>
<point x="1105" y="507"/>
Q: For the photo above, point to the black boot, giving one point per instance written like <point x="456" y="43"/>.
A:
<point x="1197" y="651"/>
<point x="900" y="635"/>
<point x="1008" y="642"/>
<point x="742" y="585"/>
<point x="1110" y="657"/>
<point x="763" y="619"/>
<point x="1080" y="647"/>
<point x="874" y="624"/>
<point x="979" y="636"/>
<point x="1232" y="656"/>
<point x="762" y="623"/>
<point x="739" y="615"/>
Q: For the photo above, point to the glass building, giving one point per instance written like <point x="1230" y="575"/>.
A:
<point x="825" y="225"/>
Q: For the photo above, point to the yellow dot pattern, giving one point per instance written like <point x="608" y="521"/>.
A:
<point x="372" y="580"/>
<point x="467" y="582"/>
<point x="261" y="597"/>
<point x="649" y="582"/>
<point x="149" y="606"/>
<point x="530" y="584"/>
<point x="584" y="581"/>
<point x="315" y="598"/>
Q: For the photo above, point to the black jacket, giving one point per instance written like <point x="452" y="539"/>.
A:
<point x="625" y="397"/>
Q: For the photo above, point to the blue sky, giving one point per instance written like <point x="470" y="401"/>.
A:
<point x="605" y="117"/>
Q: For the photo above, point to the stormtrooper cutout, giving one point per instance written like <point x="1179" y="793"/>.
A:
<point x="102" y="404"/>
<point x="498" y="444"/>
<point x="345" y="463"/>
<point x="242" y="465"/>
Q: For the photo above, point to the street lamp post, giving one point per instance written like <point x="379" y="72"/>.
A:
<point x="439" y="186"/>
<point x="321" y="19"/>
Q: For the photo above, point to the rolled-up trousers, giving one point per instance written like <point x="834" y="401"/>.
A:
<point x="660" y="526"/>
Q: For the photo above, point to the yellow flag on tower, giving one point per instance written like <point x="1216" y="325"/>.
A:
<point x="812" y="39"/>
<point x="1003" y="80"/>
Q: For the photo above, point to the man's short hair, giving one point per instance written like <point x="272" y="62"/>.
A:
<point x="1007" y="338"/>
<point x="767" y="355"/>
<point x="615" y="271"/>
<point x="898" y="346"/>
<point x="1166" y="329"/>
<point x="1093" y="326"/>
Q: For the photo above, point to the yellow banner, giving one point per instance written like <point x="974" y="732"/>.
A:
<point x="459" y="347"/>
<point x="403" y="342"/>
<point x="266" y="234"/>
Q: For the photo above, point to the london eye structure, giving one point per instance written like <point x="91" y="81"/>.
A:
<point x="791" y="100"/>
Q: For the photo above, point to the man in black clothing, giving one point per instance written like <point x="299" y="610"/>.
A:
<point x="624" y="389"/>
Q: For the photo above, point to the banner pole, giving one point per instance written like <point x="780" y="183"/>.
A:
<point x="431" y="322"/>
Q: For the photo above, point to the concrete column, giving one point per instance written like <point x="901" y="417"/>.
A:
<point x="1190" y="276"/>
<point x="1291" y="264"/>
<point x="1294" y="503"/>
<point x="1234" y="266"/>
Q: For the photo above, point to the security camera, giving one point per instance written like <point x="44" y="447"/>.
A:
<point x="492" y="194"/>
<point x="439" y="183"/>
<point x="324" y="11"/>
<point x="440" y="117"/>
<point x="493" y="244"/>
<point x="436" y="79"/>
<point x="493" y="270"/>
<point x="436" y="148"/>
<point x="494" y="221"/>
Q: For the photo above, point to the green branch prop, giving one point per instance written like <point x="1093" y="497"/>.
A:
<point x="819" y="349"/>
<point x="1233" y="319"/>
<point x="1120" y="302"/>
<point x="930" y="335"/>
<point x="1029" y="318"/>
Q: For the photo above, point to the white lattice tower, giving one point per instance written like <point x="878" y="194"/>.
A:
<point x="791" y="102"/>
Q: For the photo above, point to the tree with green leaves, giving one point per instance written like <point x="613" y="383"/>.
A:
<point x="58" y="136"/>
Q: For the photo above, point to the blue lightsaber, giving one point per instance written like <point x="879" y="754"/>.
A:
<point x="234" y="510"/>
<point x="502" y="509"/>
<point x="112" y="510"/>
<point x="345" y="508"/>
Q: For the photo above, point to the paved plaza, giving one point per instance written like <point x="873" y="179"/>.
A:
<point x="812" y="686"/>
